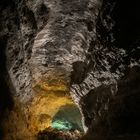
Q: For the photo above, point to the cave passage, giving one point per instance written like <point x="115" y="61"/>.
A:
<point x="68" y="118"/>
<point x="53" y="111"/>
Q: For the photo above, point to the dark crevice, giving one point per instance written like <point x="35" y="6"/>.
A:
<point x="30" y="17"/>
<point x="79" y="72"/>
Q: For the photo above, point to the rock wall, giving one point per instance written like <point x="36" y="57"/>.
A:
<point x="89" y="46"/>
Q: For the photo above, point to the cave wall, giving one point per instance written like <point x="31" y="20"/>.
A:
<point x="91" y="45"/>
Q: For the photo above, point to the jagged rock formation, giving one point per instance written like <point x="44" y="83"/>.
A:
<point x="89" y="48"/>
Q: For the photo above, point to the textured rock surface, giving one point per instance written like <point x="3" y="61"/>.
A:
<point x="89" y="46"/>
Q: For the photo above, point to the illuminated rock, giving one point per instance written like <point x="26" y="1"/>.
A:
<point x="53" y="107"/>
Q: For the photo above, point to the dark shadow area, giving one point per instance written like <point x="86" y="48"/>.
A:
<point x="118" y="24"/>
<point x="119" y="116"/>
<point x="79" y="72"/>
<point x="5" y="3"/>
<point x="6" y="100"/>
<point x="125" y="107"/>
<point x="127" y="23"/>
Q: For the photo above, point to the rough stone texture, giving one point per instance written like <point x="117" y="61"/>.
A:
<point x="92" y="45"/>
